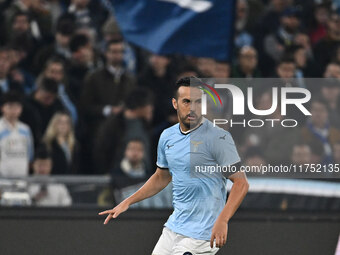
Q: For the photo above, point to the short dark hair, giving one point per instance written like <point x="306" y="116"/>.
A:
<point x="54" y="59"/>
<point x="20" y="13"/>
<point x="185" y="82"/>
<point x="114" y="41"/>
<point x="78" y="41"/>
<point x="286" y="59"/>
<point x="291" y="50"/>
<point x="49" y="85"/>
<point x="11" y="97"/>
<point x="42" y="153"/>
<point x="65" y="27"/>
<point x="138" y="98"/>
<point x="135" y="139"/>
<point x="187" y="67"/>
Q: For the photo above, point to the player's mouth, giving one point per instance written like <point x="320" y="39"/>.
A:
<point x="191" y="117"/>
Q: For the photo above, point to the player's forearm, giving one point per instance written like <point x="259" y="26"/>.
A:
<point x="155" y="184"/>
<point x="235" y="198"/>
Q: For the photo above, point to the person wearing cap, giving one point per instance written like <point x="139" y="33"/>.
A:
<point x="16" y="142"/>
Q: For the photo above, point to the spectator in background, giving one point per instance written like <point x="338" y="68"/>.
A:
<point x="3" y="26"/>
<point x="111" y="32"/>
<point x="54" y="70"/>
<point x="301" y="154"/>
<point x="79" y="8"/>
<point x="40" y="19"/>
<point x="206" y="66"/>
<point x="41" y="106"/>
<point x="89" y="15"/>
<point x="6" y="83"/>
<point x="318" y="129"/>
<point x="246" y="66"/>
<point x="187" y="70"/>
<point x="132" y="165"/>
<point x="106" y="88"/>
<point x="60" y="141"/>
<point x="60" y="46"/>
<point x="47" y="194"/>
<point x="285" y="71"/>
<point x="332" y="71"/>
<point x="16" y="143"/>
<point x="305" y="65"/>
<point x="56" y="9"/>
<point x="330" y="91"/>
<point x="271" y="18"/>
<point x="318" y="29"/>
<point x="254" y="157"/>
<point x="303" y="40"/>
<point x="158" y="77"/>
<point x="21" y="39"/>
<point x="325" y="49"/>
<point x="81" y="62"/>
<point x="274" y="44"/>
<point x="117" y="130"/>
<point x="242" y="36"/>
<point x="221" y="69"/>
<point x="19" y="73"/>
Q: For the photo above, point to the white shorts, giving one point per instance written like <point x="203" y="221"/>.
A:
<point x="171" y="243"/>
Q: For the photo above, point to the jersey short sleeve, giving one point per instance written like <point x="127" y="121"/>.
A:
<point x="161" y="158"/>
<point x="224" y="149"/>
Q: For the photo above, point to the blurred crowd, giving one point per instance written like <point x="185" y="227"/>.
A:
<point x="79" y="99"/>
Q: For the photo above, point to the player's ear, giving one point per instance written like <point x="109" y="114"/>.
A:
<point x="174" y="103"/>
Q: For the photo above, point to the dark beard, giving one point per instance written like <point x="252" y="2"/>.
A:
<point x="191" y="126"/>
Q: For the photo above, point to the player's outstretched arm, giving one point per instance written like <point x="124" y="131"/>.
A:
<point x="158" y="181"/>
<point x="235" y="198"/>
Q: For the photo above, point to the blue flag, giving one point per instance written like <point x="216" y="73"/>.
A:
<point x="201" y="28"/>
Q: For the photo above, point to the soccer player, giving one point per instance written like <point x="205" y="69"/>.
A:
<point x="199" y="222"/>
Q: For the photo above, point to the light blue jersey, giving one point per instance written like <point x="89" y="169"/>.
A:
<point x="197" y="199"/>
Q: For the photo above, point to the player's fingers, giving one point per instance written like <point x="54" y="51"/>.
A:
<point x="108" y="218"/>
<point x="212" y="241"/>
<point x="224" y="240"/>
<point x="105" y="212"/>
<point x="218" y="242"/>
<point x="115" y="215"/>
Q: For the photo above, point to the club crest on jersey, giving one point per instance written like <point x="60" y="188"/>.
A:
<point x="196" y="144"/>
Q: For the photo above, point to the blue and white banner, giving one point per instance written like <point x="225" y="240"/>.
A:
<point x="202" y="28"/>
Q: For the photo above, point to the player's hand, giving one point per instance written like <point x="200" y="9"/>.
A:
<point x="113" y="213"/>
<point x="219" y="233"/>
